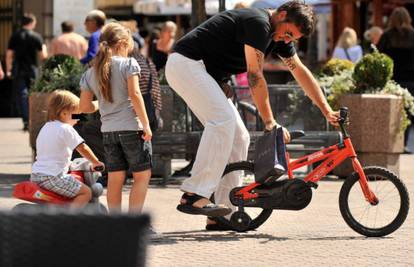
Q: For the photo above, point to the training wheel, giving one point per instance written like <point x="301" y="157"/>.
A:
<point x="240" y="221"/>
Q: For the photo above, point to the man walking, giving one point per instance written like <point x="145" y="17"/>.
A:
<point x="69" y="43"/>
<point x="24" y="48"/>
<point x="233" y="42"/>
<point x="94" y="22"/>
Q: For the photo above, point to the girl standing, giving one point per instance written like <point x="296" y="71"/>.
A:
<point x="113" y="79"/>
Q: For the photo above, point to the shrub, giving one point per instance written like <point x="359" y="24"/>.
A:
<point x="336" y="66"/>
<point x="372" y="72"/>
<point x="59" y="72"/>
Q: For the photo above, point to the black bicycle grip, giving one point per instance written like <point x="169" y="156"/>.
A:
<point x="81" y="117"/>
<point x="99" y="168"/>
<point x="343" y="113"/>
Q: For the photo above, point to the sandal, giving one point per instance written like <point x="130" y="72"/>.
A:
<point x="210" y="209"/>
<point x="218" y="226"/>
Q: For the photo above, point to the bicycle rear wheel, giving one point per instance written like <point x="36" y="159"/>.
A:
<point x="374" y="220"/>
<point x="258" y="215"/>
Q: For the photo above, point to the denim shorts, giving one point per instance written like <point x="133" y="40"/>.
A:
<point x="127" y="149"/>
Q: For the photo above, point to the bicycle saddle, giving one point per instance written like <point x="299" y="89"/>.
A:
<point x="296" y="134"/>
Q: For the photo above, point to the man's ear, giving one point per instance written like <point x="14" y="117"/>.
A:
<point x="281" y="15"/>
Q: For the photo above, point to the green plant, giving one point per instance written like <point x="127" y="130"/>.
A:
<point x="372" y="72"/>
<point x="336" y="66"/>
<point x="59" y="72"/>
<point x="394" y="88"/>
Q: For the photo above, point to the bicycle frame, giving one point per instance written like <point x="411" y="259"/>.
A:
<point x="331" y="157"/>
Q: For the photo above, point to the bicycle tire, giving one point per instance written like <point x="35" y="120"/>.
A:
<point x="263" y="215"/>
<point x="384" y="174"/>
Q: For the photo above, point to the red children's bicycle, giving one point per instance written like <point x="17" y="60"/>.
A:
<point x="373" y="201"/>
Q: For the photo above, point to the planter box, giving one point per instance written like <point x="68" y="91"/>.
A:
<point x="37" y="115"/>
<point x="375" y="122"/>
<point x="375" y="129"/>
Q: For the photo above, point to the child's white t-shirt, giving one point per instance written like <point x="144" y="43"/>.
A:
<point x="54" y="146"/>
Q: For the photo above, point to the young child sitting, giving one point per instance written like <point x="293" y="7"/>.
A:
<point x="55" y="143"/>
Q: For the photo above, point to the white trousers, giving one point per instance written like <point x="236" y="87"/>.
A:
<point x="225" y="138"/>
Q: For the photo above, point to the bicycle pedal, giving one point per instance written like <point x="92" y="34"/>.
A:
<point x="312" y="184"/>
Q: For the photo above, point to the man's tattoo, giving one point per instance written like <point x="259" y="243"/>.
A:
<point x="290" y="64"/>
<point x="253" y="79"/>
<point x="259" y="56"/>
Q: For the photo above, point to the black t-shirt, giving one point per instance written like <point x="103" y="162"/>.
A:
<point x="400" y="47"/>
<point x="26" y="45"/>
<point x="220" y="41"/>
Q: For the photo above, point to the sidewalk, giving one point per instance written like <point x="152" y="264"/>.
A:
<point x="314" y="236"/>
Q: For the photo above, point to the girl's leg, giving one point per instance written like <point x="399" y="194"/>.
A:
<point x="114" y="193"/>
<point x="139" y="190"/>
<point x="82" y="198"/>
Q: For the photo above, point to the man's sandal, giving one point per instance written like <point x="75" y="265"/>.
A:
<point x="211" y="209"/>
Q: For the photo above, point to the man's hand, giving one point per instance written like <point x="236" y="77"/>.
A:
<point x="271" y="124"/>
<point x="1" y="74"/>
<point x="332" y="117"/>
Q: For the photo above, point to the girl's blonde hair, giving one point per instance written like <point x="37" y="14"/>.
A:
<point x="59" y="101"/>
<point x="348" y="38"/>
<point x="113" y="37"/>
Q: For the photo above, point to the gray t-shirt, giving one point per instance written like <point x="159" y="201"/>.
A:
<point x="118" y="115"/>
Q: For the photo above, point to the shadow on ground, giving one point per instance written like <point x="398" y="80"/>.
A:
<point x="169" y="238"/>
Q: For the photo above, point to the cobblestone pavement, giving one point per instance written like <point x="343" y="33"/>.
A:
<point x="314" y="236"/>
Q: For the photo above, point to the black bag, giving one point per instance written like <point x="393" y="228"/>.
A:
<point x="270" y="156"/>
<point x="149" y="105"/>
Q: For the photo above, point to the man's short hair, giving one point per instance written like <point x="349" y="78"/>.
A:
<point x="67" y="26"/>
<point x="98" y="16"/>
<point x="28" y="18"/>
<point x="300" y="14"/>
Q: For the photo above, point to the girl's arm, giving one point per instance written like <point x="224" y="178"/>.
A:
<point x="137" y="101"/>
<point x="86" y="105"/>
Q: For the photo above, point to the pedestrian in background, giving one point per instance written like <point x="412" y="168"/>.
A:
<point x="24" y="48"/>
<point x="398" y="42"/>
<point x="347" y="46"/>
<point x="69" y="42"/>
<point x="372" y="37"/>
<point x="162" y="46"/>
<point x="94" y="22"/>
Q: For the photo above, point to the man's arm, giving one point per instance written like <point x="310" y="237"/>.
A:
<point x="93" y="46"/>
<point x="311" y="87"/>
<point x="1" y="72"/>
<point x="43" y="52"/>
<point x="9" y="61"/>
<point x="258" y="85"/>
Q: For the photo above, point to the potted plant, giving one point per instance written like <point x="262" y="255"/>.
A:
<point x="57" y="72"/>
<point x="378" y="110"/>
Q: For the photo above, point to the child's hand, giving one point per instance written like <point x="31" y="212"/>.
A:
<point x="147" y="133"/>
<point x="98" y="165"/>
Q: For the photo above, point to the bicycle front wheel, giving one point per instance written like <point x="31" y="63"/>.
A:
<point x="258" y="215"/>
<point x="374" y="220"/>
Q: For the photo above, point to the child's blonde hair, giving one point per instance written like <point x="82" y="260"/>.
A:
<point x="59" y="101"/>
<point x="113" y="37"/>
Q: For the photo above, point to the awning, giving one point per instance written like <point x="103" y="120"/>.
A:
<point x="320" y="6"/>
<point x="177" y="7"/>
<point x="183" y="7"/>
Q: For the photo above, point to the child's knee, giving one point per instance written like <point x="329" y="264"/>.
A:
<point x="86" y="191"/>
